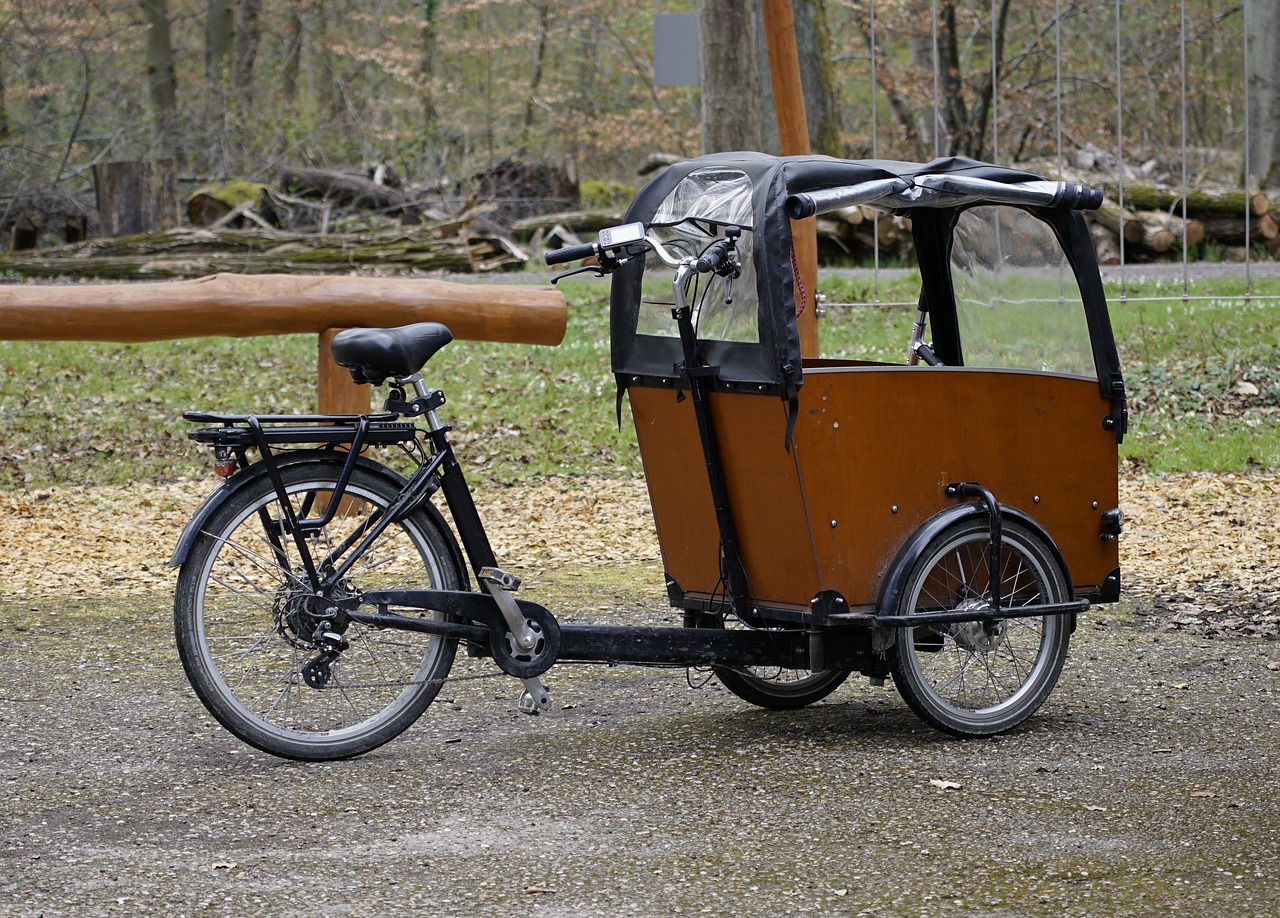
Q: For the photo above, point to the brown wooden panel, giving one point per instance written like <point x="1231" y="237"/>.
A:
<point x="877" y="446"/>
<point x="874" y="447"/>
<point x="764" y="489"/>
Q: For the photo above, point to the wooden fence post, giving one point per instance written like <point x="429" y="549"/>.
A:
<point x="793" y="132"/>
<point x="337" y="392"/>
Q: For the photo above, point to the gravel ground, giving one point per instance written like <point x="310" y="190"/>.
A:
<point x="1146" y="785"/>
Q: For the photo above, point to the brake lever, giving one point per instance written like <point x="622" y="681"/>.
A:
<point x="594" y="269"/>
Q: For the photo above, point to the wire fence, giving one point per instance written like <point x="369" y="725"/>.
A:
<point x="1230" y="36"/>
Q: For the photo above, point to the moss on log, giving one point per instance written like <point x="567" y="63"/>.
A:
<point x="197" y="252"/>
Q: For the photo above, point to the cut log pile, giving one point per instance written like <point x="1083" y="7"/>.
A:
<point x="312" y="221"/>
<point x="861" y="233"/>
<point x="325" y="222"/>
<point x="1157" y="222"/>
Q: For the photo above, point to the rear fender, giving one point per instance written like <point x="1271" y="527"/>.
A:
<point x="252" y="474"/>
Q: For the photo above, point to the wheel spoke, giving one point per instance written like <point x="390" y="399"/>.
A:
<point x="246" y="622"/>
<point x="967" y="678"/>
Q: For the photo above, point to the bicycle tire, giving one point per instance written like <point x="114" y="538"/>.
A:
<point x="244" y="623"/>
<point x="773" y="687"/>
<point x="1014" y="668"/>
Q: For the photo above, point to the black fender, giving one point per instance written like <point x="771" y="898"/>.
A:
<point x="259" y="470"/>
<point x="894" y="581"/>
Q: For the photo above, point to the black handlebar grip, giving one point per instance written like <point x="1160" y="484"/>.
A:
<point x="1078" y="197"/>
<point x="713" y="258"/>
<point x="571" y="253"/>
<point x="1091" y="198"/>
<point x="799" y="206"/>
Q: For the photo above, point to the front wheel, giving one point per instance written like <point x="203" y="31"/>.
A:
<point x="968" y="679"/>
<point x="246" y="617"/>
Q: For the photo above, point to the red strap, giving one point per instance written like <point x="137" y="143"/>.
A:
<point x="795" y="271"/>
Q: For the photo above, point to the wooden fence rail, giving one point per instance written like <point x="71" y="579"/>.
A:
<point x="243" y="306"/>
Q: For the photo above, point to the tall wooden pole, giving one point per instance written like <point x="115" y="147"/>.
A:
<point x="793" y="131"/>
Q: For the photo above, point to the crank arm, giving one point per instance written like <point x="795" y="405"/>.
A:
<point x="535" y="699"/>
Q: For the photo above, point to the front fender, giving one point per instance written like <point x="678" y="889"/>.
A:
<point x="250" y="475"/>
<point x="894" y="582"/>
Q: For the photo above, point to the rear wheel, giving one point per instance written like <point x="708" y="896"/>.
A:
<point x="778" y="688"/>
<point x="969" y="679"/>
<point x="246" y="619"/>
<point x="774" y="687"/>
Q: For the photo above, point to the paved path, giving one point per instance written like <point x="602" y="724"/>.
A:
<point x="1146" y="784"/>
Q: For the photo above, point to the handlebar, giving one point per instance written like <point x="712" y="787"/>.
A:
<point x="946" y="188"/>
<point x="718" y="256"/>
<point x="572" y="253"/>
<point x="618" y="243"/>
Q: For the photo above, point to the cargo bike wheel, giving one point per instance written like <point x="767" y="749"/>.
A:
<point x="971" y="679"/>
<point x="777" y="688"/>
<point x="246" y="618"/>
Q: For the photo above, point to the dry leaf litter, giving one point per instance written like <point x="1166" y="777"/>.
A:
<point x="1200" y="553"/>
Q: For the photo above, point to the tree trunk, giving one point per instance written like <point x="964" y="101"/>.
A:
<point x="161" y="82"/>
<point x="26" y="231"/>
<point x="137" y="197"/>
<point x="219" y="41"/>
<point x="4" y="102"/>
<point x="728" y="71"/>
<point x="248" y="36"/>
<point x="292" y="56"/>
<point x="926" y="113"/>
<point x="813" y="42"/>
<point x="1262" y="30"/>
<point x="539" y="57"/>
<point x="427" y="70"/>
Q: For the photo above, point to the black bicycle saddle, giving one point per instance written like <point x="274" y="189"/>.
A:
<point x="373" y="354"/>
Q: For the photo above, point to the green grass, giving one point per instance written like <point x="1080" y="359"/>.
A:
<point x="1203" y="375"/>
<point x="85" y="413"/>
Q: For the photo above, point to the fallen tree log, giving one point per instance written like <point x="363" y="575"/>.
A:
<point x="198" y="252"/>
<point x="213" y="204"/>
<point x="239" y="306"/>
<point x="1231" y="230"/>
<point x="1160" y="231"/>
<point x="580" y="221"/>
<point x="1200" y="203"/>
<point x="1120" y="223"/>
<point x="351" y="190"/>
<point x="1105" y="244"/>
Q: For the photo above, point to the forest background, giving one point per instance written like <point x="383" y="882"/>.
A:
<point x="439" y="90"/>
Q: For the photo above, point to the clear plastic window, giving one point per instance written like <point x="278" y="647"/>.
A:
<point x="1018" y="305"/>
<point x="691" y="217"/>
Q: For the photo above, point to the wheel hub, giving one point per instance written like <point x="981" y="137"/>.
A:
<point x="977" y="637"/>
<point x="296" y="617"/>
<point x="298" y="612"/>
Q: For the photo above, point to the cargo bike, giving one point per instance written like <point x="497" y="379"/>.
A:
<point x="941" y="521"/>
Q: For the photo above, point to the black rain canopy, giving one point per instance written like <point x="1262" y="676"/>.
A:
<point x="748" y="326"/>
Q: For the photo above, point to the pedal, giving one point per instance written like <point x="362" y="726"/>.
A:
<point x="535" y="699"/>
<point x="499" y="578"/>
